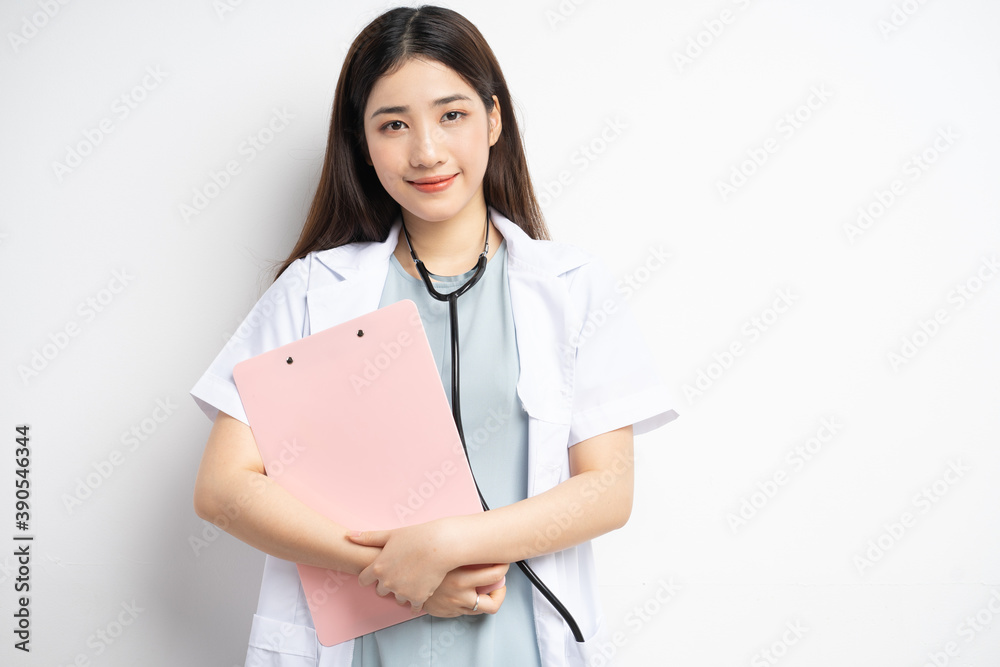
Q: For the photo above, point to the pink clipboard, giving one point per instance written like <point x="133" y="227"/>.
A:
<point x="354" y="422"/>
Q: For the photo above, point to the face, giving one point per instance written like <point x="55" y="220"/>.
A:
<point x="428" y="137"/>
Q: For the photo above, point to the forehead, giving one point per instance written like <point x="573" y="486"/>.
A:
<point x="417" y="82"/>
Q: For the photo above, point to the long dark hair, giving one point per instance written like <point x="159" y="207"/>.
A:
<point x="350" y="203"/>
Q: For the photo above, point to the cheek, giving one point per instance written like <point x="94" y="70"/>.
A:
<point x="477" y="153"/>
<point x="383" y="162"/>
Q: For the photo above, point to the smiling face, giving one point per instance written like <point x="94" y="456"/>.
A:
<point x="428" y="136"/>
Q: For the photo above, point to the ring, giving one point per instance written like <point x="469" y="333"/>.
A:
<point x="476" y="608"/>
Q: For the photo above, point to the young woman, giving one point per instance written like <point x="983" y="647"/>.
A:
<point x="424" y="162"/>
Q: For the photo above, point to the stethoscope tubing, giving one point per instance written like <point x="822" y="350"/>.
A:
<point x="452" y="299"/>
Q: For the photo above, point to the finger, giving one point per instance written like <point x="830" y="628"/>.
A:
<point x="485" y="575"/>
<point x="367" y="577"/>
<point x="494" y="578"/>
<point x="490" y="603"/>
<point x="371" y="538"/>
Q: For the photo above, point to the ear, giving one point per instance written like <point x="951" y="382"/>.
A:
<point x="495" y="122"/>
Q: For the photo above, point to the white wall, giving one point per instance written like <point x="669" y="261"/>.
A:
<point x="874" y="87"/>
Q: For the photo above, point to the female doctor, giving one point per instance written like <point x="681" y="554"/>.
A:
<point x="425" y="177"/>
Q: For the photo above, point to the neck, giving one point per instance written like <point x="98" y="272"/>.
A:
<point x="445" y="247"/>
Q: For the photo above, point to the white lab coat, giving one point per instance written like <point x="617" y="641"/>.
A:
<point x="585" y="370"/>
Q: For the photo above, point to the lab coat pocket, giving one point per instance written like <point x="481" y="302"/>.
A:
<point x="274" y="643"/>
<point x="597" y="649"/>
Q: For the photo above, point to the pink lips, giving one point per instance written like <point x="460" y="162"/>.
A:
<point x="433" y="183"/>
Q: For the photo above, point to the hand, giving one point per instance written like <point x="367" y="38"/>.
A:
<point x="412" y="564"/>
<point x="456" y="596"/>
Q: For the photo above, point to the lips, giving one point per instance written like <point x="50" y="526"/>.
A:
<point x="433" y="184"/>
<point x="432" y="179"/>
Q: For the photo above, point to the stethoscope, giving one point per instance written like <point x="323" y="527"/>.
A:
<point x="452" y="299"/>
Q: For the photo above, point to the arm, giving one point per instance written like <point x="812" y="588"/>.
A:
<point x="596" y="499"/>
<point x="232" y="491"/>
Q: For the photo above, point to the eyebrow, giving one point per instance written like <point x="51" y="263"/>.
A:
<point x="435" y="103"/>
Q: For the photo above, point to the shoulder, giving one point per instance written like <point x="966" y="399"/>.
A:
<point x="323" y="267"/>
<point x="294" y="280"/>
<point x="550" y="257"/>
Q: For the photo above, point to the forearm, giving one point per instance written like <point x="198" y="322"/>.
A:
<point x="579" y="509"/>
<point x="596" y="499"/>
<point x="256" y="510"/>
<point x="232" y="492"/>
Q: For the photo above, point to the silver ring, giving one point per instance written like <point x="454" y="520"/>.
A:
<point x="476" y="608"/>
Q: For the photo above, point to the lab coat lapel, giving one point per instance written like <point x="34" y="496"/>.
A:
<point x="543" y="320"/>
<point x="361" y="269"/>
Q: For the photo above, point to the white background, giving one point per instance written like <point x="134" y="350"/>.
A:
<point x="673" y="100"/>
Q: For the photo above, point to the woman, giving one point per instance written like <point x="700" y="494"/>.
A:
<point x="424" y="161"/>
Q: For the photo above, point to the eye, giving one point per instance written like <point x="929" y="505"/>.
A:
<point x="453" y="115"/>
<point x="394" y="125"/>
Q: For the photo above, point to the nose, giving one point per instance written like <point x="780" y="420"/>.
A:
<point x="427" y="147"/>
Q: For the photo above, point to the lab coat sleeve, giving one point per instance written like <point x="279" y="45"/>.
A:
<point x="278" y="317"/>
<point x="615" y="381"/>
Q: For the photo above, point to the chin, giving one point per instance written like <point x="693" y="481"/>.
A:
<point x="433" y="211"/>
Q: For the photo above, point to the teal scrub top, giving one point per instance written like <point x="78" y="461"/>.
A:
<point x="496" y="434"/>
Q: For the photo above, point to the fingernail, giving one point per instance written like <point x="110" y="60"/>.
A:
<point x="354" y="533"/>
